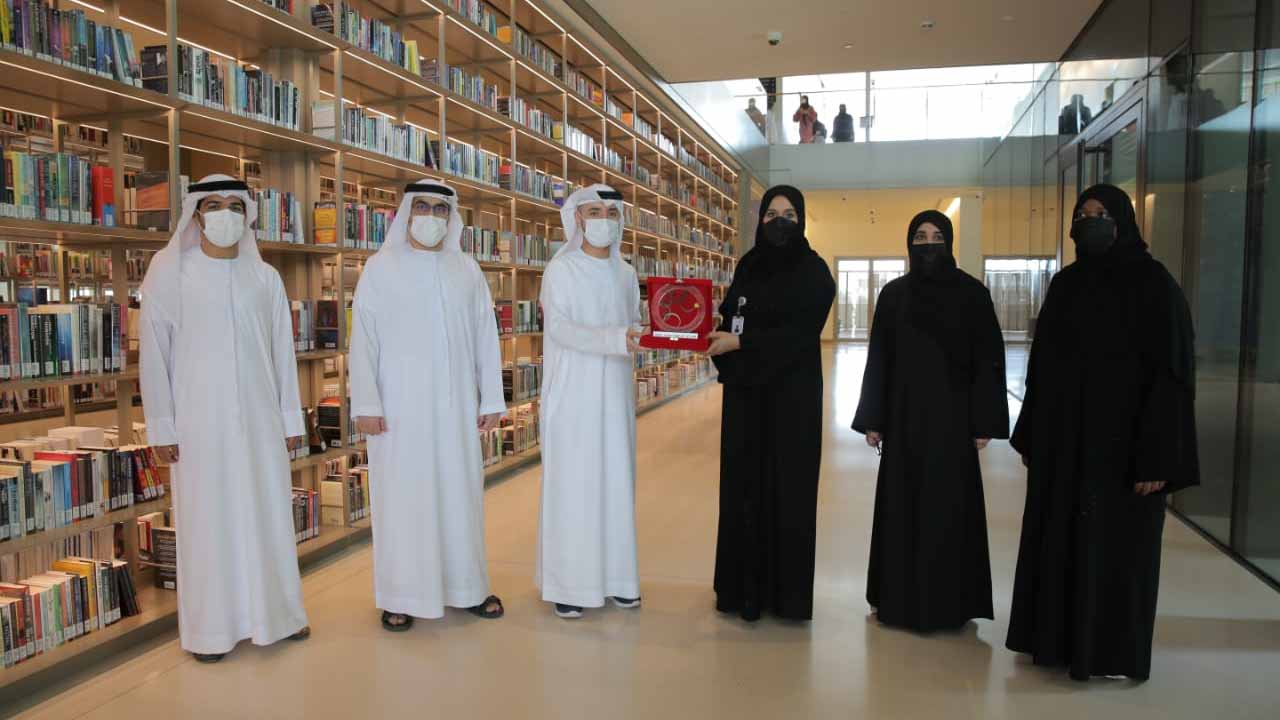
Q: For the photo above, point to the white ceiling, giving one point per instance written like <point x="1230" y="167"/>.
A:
<point x="689" y="40"/>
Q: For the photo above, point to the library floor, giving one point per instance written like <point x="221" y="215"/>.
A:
<point x="1217" y="639"/>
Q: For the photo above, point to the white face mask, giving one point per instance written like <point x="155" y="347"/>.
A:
<point x="602" y="232"/>
<point x="428" y="230"/>
<point x="223" y="228"/>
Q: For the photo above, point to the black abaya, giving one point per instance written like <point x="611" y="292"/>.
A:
<point x="1109" y="404"/>
<point x="934" y="383"/>
<point x="771" y="429"/>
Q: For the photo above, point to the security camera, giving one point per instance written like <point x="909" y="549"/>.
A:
<point x="775" y="38"/>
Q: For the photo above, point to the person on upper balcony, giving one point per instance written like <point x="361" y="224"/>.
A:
<point x="842" y="126"/>
<point x="807" y="117"/>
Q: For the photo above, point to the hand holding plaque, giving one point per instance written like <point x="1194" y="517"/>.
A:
<point x="681" y="314"/>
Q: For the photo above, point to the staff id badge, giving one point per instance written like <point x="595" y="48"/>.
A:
<point x="738" y="321"/>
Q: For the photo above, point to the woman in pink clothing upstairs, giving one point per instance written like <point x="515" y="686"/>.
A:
<point x="806" y="116"/>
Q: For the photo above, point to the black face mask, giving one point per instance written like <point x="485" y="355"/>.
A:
<point x="930" y="259"/>
<point x="781" y="231"/>
<point x="1094" y="236"/>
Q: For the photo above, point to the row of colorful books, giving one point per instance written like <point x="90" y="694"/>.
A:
<point x="518" y="433"/>
<point x="222" y="83"/>
<point x="61" y="340"/>
<point x="528" y="115"/>
<point x="655" y="383"/>
<point x="373" y="132"/>
<point x="306" y="514"/>
<point x="57" y="187"/>
<point x="522" y="380"/>
<point x="76" y="596"/>
<point x="315" y="325"/>
<point x="541" y="55"/>
<point x="279" y="217"/>
<point x="536" y="183"/>
<point x="649" y="266"/>
<point x="60" y="479"/>
<point x="470" y="162"/>
<point x="470" y="86"/>
<point x="370" y="34"/>
<point x="480" y="13"/>
<point x="354" y="485"/>
<point x="68" y="37"/>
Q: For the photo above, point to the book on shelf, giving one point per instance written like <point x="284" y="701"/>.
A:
<point x="350" y="484"/>
<point x="304" y="330"/>
<point x="366" y="226"/>
<point x="61" y="340"/>
<point x="147" y="199"/>
<point x="55" y="186"/>
<point x="279" y="217"/>
<point x="482" y="244"/>
<point x="306" y="514"/>
<point x="479" y="12"/>
<point x="67" y="37"/>
<point x="325" y="222"/>
<point x="371" y="34"/>
<point x="326" y="324"/>
<point x="373" y="132"/>
<point x="164" y="554"/>
<point x="224" y="84"/>
<point x="76" y="596"/>
<point x="470" y="162"/>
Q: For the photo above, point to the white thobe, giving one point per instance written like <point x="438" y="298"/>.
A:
<point x="223" y="386"/>
<point x="425" y="357"/>
<point x="587" y="533"/>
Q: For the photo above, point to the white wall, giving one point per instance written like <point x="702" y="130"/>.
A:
<point x="878" y="165"/>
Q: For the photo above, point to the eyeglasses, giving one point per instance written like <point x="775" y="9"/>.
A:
<point x="441" y="210"/>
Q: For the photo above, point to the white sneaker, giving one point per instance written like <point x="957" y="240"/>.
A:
<point x="627" y="603"/>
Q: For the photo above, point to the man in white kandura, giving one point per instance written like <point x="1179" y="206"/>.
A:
<point x="591" y="309"/>
<point x="426" y="379"/>
<point x="220" y="394"/>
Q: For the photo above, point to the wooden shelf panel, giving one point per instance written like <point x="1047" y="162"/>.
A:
<point x="326" y="456"/>
<point x="221" y="126"/>
<point x="156" y="606"/>
<point x="44" y="88"/>
<point x="319" y="355"/>
<point x="46" y="232"/>
<point x="29" y="383"/>
<point x="297" y="248"/>
<point x="46" y="537"/>
<point x="382" y="84"/>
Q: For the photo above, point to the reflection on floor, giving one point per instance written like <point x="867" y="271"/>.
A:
<point x="1217" y="641"/>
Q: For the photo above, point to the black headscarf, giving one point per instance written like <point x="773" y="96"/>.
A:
<point x="773" y="257"/>
<point x="938" y="307"/>
<point x="1129" y="243"/>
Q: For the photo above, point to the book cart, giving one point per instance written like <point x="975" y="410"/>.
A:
<point x="517" y="112"/>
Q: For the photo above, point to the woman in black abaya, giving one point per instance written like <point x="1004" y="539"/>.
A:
<point x="771" y="426"/>
<point x="933" y="395"/>
<point x="1107" y="429"/>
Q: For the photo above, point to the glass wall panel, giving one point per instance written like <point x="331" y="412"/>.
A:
<point x="1170" y="26"/>
<point x="1169" y="98"/>
<point x="1258" y="530"/>
<point x="1216" y="224"/>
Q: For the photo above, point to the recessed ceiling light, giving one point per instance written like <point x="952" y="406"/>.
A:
<point x="848" y="46"/>
<point x="1007" y="18"/>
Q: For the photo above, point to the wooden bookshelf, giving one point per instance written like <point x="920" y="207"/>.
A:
<point x="172" y="134"/>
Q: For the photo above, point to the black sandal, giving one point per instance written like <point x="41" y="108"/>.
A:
<point x="208" y="658"/>
<point x="482" y="610"/>
<point x="393" y="627"/>
<point x="302" y="634"/>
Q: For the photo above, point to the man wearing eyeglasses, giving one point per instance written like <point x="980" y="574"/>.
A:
<point x="426" y="382"/>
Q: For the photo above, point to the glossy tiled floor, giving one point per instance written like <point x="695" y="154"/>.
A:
<point x="1217" y="654"/>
